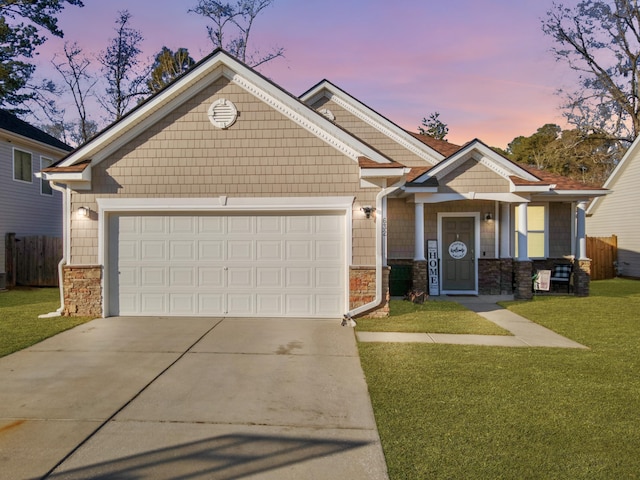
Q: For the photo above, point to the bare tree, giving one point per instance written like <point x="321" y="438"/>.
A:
<point x="120" y="66"/>
<point x="75" y="72"/>
<point x="600" y="40"/>
<point x="236" y="19"/>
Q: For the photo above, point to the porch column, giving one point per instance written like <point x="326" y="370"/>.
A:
<point x="581" y="235"/>
<point x="418" y="254"/>
<point x="523" y="246"/>
<point x="505" y="230"/>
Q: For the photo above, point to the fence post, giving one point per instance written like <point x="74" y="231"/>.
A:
<point x="10" y="259"/>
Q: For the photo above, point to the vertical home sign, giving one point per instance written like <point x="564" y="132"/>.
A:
<point x="432" y="265"/>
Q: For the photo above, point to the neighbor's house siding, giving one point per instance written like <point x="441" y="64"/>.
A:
<point x="264" y="154"/>
<point x="372" y="136"/>
<point x="23" y="209"/>
<point x="617" y="214"/>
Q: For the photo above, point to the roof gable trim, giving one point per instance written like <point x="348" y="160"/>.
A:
<point x="327" y="90"/>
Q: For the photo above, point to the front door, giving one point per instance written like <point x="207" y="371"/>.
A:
<point x="458" y="254"/>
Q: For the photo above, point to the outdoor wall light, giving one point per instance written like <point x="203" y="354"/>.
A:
<point x="488" y="217"/>
<point x="368" y="210"/>
<point x="83" y="211"/>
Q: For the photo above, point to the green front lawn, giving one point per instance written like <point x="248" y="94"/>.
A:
<point x="430" y="317"/>
<point x="451" y="411"/>
<point x="20" y="326"/>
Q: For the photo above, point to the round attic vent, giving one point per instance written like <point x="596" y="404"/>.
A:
<point x="223" y="113"/>
<point x="327" y="113"/>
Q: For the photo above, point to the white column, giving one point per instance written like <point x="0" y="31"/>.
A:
<point x="419" y="235"/>
<point x="523" y="245"/>
<point x="581" y="235"/>
<point x="505" y="230"/>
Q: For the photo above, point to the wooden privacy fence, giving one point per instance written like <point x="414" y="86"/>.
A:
<point x="32" y="261"/>
<point x="603" y="252"/>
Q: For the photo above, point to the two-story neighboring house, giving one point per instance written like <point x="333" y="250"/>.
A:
<point x="28" y="205"/>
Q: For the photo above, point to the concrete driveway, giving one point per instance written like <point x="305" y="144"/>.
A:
<point x="133" y="398"/>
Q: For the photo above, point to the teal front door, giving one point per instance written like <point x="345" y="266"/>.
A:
<point x="458" y="254"/>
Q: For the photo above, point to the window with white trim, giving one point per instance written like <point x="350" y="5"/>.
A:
<point x="45" y="186"/>
<point x="22" y="168"/>
<point x="537" y="237"/>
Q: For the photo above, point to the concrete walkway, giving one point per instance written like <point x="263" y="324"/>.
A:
<point x="525" y="332"/>
<point x="167" y="398"/>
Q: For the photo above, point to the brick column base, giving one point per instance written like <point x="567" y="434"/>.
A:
<point x="420" y="276"/>
<point x="581" y="277"/>
<point x="82" y="291"/>
<point x="523" y="280"/>
<point x="362" y="289"/>
<point x="506" y="276"/>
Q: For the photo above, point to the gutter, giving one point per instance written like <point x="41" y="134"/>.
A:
<point x="66" y="208"/>
<point x="367" y="307"/>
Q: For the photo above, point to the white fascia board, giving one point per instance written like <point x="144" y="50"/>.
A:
<point x="420" y="189"/>
<point x="75" y="180"/>
<point x="377" y="121"/>
<point x="382" y="172"/>
<point x="573" y="195"/>
<point x="425" y="197"/>
<point x="226" y="204"/>
<point x="530" y="188"/>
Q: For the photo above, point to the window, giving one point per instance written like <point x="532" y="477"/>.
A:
<point x="45" y="186"/>
<point x="536" y="231"/>
<point x="22" y="166"/>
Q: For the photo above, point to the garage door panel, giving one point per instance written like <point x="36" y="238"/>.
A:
<point x="215" y="225"/>
<point x="211" y="250"/>
<point x="269" y="277"/>
<point x="153" y="303"/>
<point x="269" y="304"/>
<point x="298" y="250"/>
<point x="239" y="304"/>
<point x="180" y="250"/>
<point x="182" y="276"/>
<point x="128" y="277"/>
<point x="242" y="225"/>
<point x="329" y="250"/>
<point x="211" y="277"/>
<point x="182" y="303"/>
<point x="299" y="305"/>
<point x="269" y="225"/>
<point x="182" y="225"/>
<point x="151" y="250"/>
<point x="240" y="250"/>
<point x="329" y="278"/>
<point x="269" y="250"/>
<point x="299" y="225"/>
<point x="240" y="277"/>
<point x="153" y="277"/>
<point x="240" y="265"/>
<point x="211" y="304"/>
<point x="152" y="225"/>
<point x="299" y="277"/>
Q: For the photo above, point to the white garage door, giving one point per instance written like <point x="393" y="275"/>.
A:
<point x="240" y="265"/>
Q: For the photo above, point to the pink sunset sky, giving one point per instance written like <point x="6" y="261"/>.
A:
<point x="485" y="65"/>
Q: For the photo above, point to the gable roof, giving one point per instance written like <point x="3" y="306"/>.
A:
<point x="218" y="64"/>
<point x="13" y="124"/>
<point x="441" y="146"/>
<point x="326" y="89"/>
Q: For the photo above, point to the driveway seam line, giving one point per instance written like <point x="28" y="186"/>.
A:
<point x="128" y="402"/>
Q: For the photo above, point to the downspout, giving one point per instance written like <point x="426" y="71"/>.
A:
<point x="367" y="307"/>
<point x="65" y="245"/>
